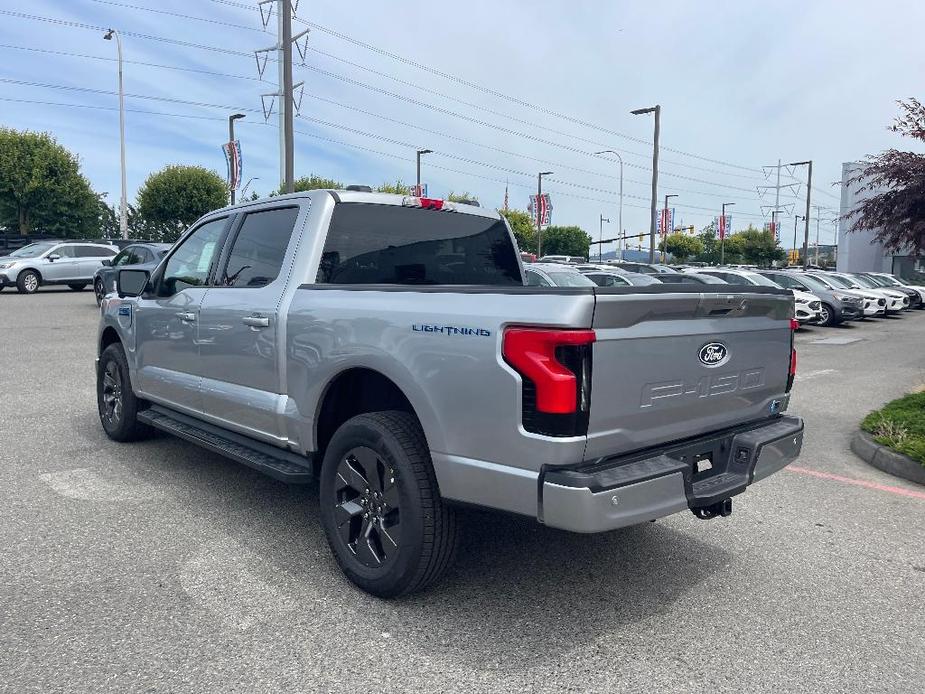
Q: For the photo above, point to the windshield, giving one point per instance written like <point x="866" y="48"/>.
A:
<point x="570" y="279"/>
<point x="760" y="280"/>
<point x="836" y="282"/>
<point x="878" y="281"/>
<point x="815" y="282"/>
<point x="884" y="281"/>
<point x="864" y="282"/>
<point x="33" y="250"/>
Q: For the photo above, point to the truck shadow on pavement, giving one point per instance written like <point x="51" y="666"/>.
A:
<point x="518" y="595"/>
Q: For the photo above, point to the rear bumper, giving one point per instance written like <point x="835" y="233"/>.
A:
<point x="617" y="492"/>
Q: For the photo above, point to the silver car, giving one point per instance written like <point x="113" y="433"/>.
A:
<point x="53" y="262"/>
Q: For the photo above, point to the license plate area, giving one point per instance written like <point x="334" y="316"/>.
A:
<point x="705" y="459"/>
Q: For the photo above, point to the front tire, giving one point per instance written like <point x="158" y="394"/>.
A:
<point x="28" y="282"/>
<point x="99" y="290"/>
<point x="117" y="405"/>
<point x="826" y="316"/>
<point x="385" y="522"/>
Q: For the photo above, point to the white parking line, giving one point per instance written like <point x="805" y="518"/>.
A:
<point x="809" y="375"/>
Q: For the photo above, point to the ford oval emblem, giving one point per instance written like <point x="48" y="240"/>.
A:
<point x="714" y="354"/>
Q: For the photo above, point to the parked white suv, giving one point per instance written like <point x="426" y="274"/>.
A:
<point x="53" y="262"/>
<point x="807" y="307"/>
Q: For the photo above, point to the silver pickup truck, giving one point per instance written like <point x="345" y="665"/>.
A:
<point x="386" y="348"/>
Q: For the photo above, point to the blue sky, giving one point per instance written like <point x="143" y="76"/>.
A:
<point x="741" y="84"/>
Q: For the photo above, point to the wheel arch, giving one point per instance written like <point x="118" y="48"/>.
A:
<point x="357" y="390"/>
<point x="109" y="336"/>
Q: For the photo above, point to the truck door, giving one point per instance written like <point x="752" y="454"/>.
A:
<point x="166" y="322"/>
<point x="240" y="325"/>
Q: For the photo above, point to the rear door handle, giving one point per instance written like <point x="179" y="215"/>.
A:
<point x="186" y="316"/>
<point x="256" y="321"/>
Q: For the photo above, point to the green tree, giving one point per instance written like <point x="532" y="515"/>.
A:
<point x="562" y="240"/>
<point x="399" y="187"/>
<point x="524" y="231"/>
<point x="176" y="196"/>
<point x="457" y="197"/>
<point x="681" y="246"/>
<point x="759" y="247"/>
<point x="41" y="187"/>
<point x="312" y="182"/>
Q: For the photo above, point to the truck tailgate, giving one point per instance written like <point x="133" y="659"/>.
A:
<point x="668" y="366"/>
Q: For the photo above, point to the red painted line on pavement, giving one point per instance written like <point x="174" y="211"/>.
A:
<point x="859" y="483"/>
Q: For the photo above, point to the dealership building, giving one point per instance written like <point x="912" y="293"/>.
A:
<point x="858" y="251"/>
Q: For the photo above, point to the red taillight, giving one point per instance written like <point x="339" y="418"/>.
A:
<point x="794" y="324"/>
<point x="432" y="203"/>
<point x="793" y="363"/>
<point x="791" y="374"/>
<point x="532" y="351"/>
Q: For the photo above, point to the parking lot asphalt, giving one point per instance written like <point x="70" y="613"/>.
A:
<point x="157" y="566"/>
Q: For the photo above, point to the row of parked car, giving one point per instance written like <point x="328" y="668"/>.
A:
<point x="75" y="264"/>
<point x="821" y="297"/>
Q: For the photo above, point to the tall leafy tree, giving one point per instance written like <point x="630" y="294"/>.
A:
<point x="522" y="225"/>
<point x="457" y="197"/>
<point x="314" y="182"/>
<point x="759" y="247"/>
<point x="41" y="187"/>
<point x="176" y="196"/>
<point x="895" y="213"/>
<point x="399" y="187"/>
<point x="681" y="246"/>
<point x="566" y="240"/>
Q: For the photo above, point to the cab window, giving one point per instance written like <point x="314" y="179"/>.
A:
<point x="191" y="261"/>
<point x="64" y="251"/>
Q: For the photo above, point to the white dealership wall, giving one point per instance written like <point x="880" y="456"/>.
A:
<point x="857" y="250"/>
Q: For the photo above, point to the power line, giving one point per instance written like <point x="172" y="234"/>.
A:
<point x="488" y="90"/>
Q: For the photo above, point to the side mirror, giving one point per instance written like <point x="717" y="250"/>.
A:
<point x="53" y="257"/>
<point x="132" y="282"/>
<point x="107" y="262"/>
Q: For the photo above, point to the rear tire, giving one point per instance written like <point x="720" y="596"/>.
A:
<point x="385" y="522"/>
<point x="117" y="405"/>
<point x="28" y="282"/>
<point x="76" y="287"/>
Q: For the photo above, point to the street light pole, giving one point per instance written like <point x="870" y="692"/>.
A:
<point x="809" y="188"/>
<point x="620" y="211"/>
<point x="123" y="204"/>
<point x="247" y="185"/>
<point x="539" y="214"/>
<point x="231" y="120"/>
<point x="657" y="110"/>
<point x="600" y="237"/>
<point x="722" y="241"/>
<point x="673" y="195"/>
<point x="418" y="179"/>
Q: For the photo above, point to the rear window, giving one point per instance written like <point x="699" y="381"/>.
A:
<point x="387" y="244"/>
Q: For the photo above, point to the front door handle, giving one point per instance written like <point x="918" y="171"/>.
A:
<point x="186" y="316"/>
<point x="256" y="321"/>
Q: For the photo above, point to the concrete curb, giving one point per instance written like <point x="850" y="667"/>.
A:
<point x="886" y="459"/>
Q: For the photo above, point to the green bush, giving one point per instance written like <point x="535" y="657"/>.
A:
<point x="900" y="425"/>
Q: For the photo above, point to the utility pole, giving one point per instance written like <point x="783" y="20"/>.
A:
<point x="809" y="190"/>
<point x="286" y="101"/>
<point x="231" y="120"/>
<point x="722" y="240"/>
<point x="600" y="238"/>
<point x="419" y="192"/>
<point x="123" y="204"/>
<point x="539" y="213"/>
<point x="664" y="250"/>
<point x="796" y="218"/>
<point x="620" y="211"/>
<point x="657" y="110"/>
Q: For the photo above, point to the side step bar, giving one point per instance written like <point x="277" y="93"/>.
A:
<point x="272" y="461"/>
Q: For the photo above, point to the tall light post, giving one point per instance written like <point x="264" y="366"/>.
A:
<point x="809" y="188"/>
<point x="600" y="237"/>
<point x="796" y="218"/>
<point x="539" y="213"/>
<point x="722" y="240"/>
<point x="123" y="205"/>
<point x="673" y="195"/>
<point x="657" y="110"/>
<point x="419" y="153"/>
<point x="247" y="185"/>
<point x="231" y="120"/>
<point x="620" y="231"/>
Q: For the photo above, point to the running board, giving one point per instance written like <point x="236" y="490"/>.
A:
<point x="270" y="460"/>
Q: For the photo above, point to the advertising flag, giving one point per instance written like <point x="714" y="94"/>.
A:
<point x="232" y="152"/>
